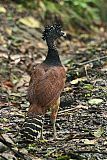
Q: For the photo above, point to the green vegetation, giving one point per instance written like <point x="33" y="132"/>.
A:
<point x="82" y="13"/>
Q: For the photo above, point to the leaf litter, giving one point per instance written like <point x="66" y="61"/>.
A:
<point x="81" y="125"/>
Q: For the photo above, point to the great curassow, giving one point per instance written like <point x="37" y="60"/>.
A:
<point x="46" y="84"/>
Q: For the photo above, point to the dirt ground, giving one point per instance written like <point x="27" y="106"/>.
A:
<point x="82" y="118"/>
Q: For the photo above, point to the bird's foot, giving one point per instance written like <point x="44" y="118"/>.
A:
<point x="41" y="137"/>
<point x="57" y="138"/>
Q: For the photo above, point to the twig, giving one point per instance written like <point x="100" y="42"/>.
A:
<point x="66" y="110"/>
<point x="90" y="151"/>
<point x="71" y="109"/>
<point x="94" y="60"/>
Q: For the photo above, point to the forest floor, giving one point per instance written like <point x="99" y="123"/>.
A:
<point x="82" y="117"/>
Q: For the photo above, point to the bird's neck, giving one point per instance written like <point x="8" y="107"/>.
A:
<point x="52" y="57"/>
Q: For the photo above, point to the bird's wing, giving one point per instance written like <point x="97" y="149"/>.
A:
<point x="46" y="87"/>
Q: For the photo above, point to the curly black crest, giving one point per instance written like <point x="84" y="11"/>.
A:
<point x="52" y="31"/>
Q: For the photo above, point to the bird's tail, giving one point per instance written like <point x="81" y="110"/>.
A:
<point x="31" y="128"/>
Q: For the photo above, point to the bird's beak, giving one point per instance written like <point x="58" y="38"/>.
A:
<point x="63" y="34"/>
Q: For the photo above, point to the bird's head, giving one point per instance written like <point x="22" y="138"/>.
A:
<point x="52" y="32"/>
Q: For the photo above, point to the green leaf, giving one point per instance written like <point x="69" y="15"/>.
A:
<point x="88" y="86"/>
<point x="30" y="22"/>
<point x="63" y="157"/>
<point x="95" y="101"/>
<point x="20" y="8"/>
<point x="98" y="132"/>
<point x="51" y="6"/>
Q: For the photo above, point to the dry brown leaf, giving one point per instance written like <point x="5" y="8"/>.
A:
<point x="7" y="84"/>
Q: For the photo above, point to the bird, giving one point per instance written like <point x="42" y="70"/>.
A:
<point x="45" y="87"/>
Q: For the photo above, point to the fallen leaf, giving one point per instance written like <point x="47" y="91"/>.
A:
<point x="2" y="9"/>
<point x="76" y="81"/>
<point x="81" y="106"/>
<point x="41" y="45"/>
<point x="88" y="86"/>
<point x="104" y="69"/>
<point x="24" y="151"/>
<point x="7" y="138"/>
<point x="30" y="22"/>
<point x="15" y="57"/>
<point x="105" y="143"/>
<point x="8" y="31"/>
<point x="42" y="5"/>
<point x="87" y="141"/>
<point x="8" y="84"/>
<point x="95" y="101"/>
<point x="98" y="132"/>
<point x="67" y="89"/>
<point x="2" y="40"/>
<point x="3" y="55"/>
<point x="3" y="148"/>
<point x="24" y="80"/>
<point x="20" y="8"/>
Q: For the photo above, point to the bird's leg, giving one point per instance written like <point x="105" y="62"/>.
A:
<point x="41" y="133"/>
<point x="54" y="129"/>
<point x="54" y="111"/>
